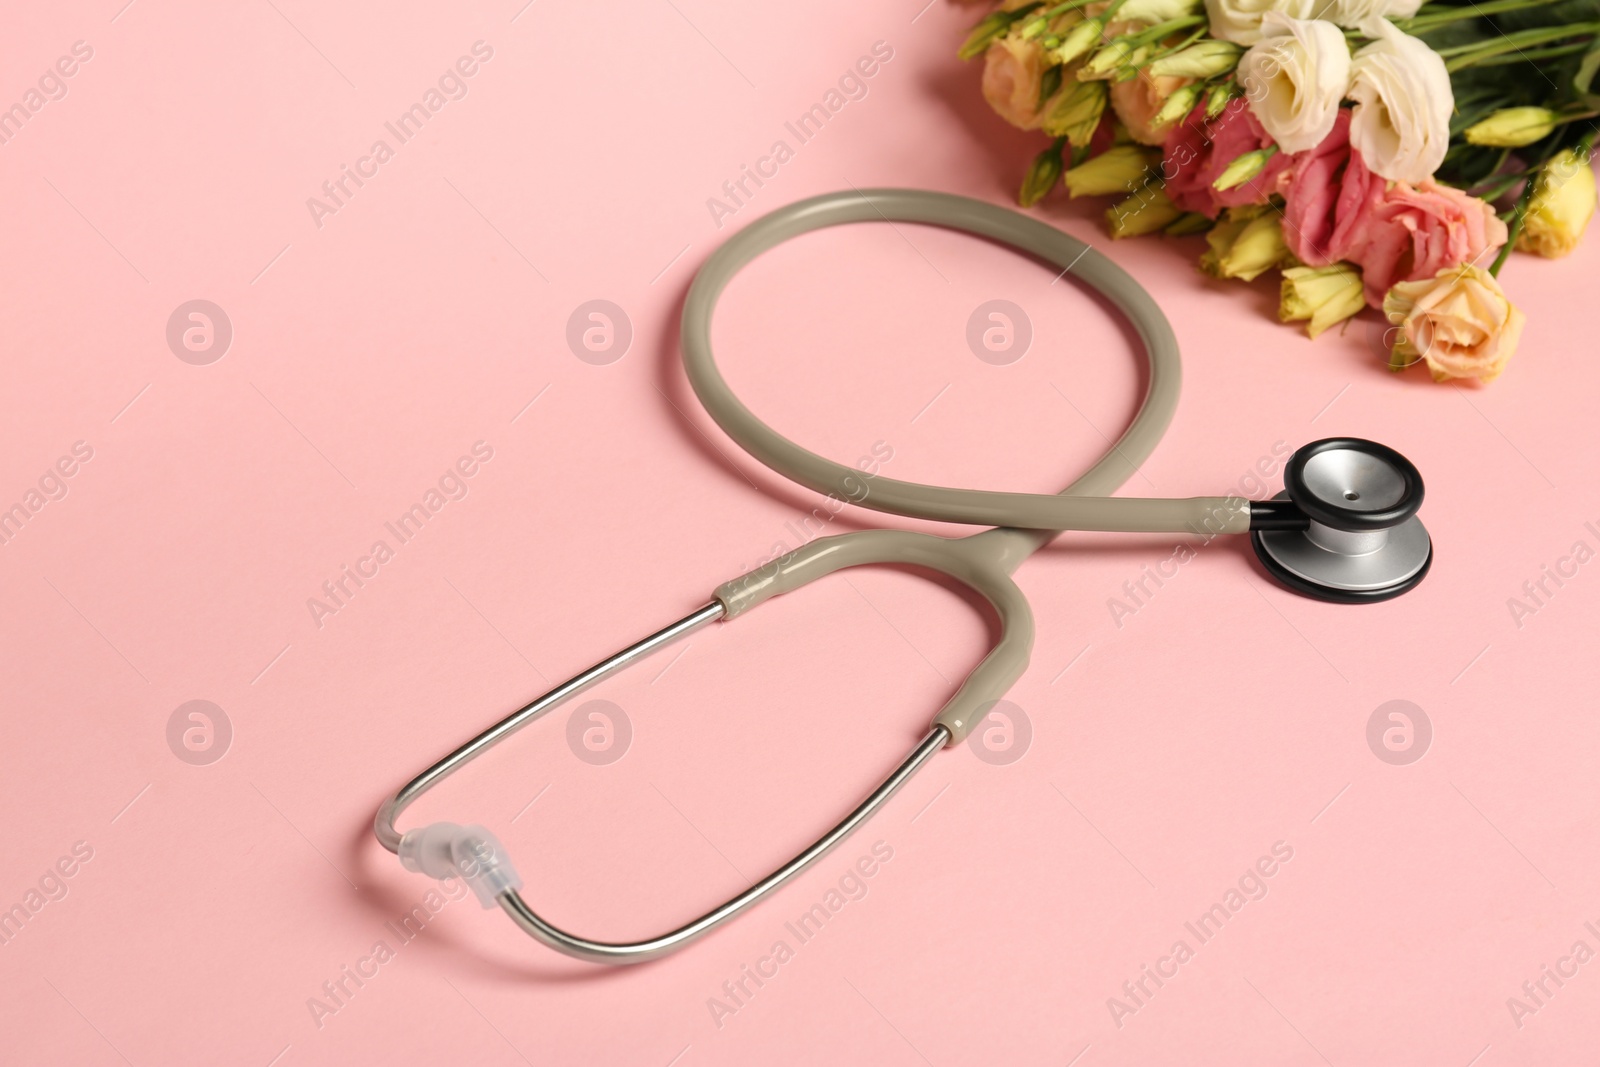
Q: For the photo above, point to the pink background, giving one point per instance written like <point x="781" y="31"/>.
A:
<point x="1168" y="753"/>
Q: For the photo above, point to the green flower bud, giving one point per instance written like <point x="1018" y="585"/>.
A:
<point x="1203" y="59"/>
<point x="1042" y="176"/>
<point x="1188" y="224"/>
<point x="984" y="34"/>
<point x="1121" y="52"/>
<point x="1082" y="37"/>
<point x="1177" y="106"/>
<point x="1513" y="127"/>
<point x="1220" y="96"/>
<point x="1320" y="296"/>
<point x="1244" y="168"/>
<point x="1076" y="112"/>
<point x="1144" y="212"/>
<point x="1118" y="170"/>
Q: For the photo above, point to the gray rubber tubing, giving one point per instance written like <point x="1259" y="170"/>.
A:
<point x="985" y="561"/>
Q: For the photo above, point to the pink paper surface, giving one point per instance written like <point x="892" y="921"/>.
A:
<point x="1213" y="724"/>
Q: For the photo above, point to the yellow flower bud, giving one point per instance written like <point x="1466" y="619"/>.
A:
<point x="1562" y="203"/>
<point x="1203" y="59"/>
<point x="1513" y="127"/>
<point x="1076" y="112"/>
<point x="1320" y="296"/>
<point x="1119" y="169"/>
<point x="1246" y="243"/>
<point x="1084" y="36"/>
<point x="1244" y="168"/>
<point x="1146" y="211"/>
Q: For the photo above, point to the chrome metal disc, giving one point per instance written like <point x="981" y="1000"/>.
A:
<point x="1306" y="567"/>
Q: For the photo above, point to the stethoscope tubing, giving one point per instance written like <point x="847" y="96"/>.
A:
<point x="1086" y="504"/>
<point x="984" y="561"/>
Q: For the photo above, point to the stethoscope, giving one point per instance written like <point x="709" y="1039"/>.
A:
<point x="1344" y="529"/>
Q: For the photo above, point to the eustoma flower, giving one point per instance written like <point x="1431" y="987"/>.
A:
<point x="1138" y="103"/>
<point x="1459" y="321"/>
<point x="1240" y="20"/>
<point x="1352" y="175"/>
<point x="1198" y="152"/>
<point x="1393" y="231"/>
<point x="1013" y="71"/>
<point x="1353" y="14"/>
<point x="1295" y="77"/>
<point x="1401" y="89"/>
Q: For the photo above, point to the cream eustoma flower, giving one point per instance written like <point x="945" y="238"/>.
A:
<point x="1239" y="21"/>
<point x="1139" y="100"/>
<point x="1401" y="121"/>
<point x="1353" y="14"/>
<point x="1013" y="71"/>
<point x="1459" y="321"/>
<point x="1295" y="77"/>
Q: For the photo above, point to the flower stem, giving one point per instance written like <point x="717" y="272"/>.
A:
<point x="1171" y="26"/>
<point x="1442" y="15"/>
<point x="1468" y="55"/>
<point x="1514" y="231"/>
<point x="1536" y="54"/>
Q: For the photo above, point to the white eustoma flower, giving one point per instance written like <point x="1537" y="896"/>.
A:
<point x="1355" y="13"/>
<point x="1401" y="89"/>
<point x="1239" y="21"/>
<point x="1156" y="11"/>
<point x="1294" y="78"/>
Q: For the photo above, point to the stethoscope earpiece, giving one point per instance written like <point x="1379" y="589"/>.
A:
<point x="1345" y="528"/>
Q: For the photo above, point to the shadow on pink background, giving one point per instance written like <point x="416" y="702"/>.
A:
<point x="224" y="886"/>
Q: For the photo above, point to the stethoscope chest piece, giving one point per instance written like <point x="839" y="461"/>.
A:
<point x="1352" y="535"/>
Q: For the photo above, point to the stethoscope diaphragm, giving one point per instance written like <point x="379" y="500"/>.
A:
<point x="1352" y="535"/>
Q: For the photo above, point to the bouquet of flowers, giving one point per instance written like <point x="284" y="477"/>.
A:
<point x="1375" y="152"/>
